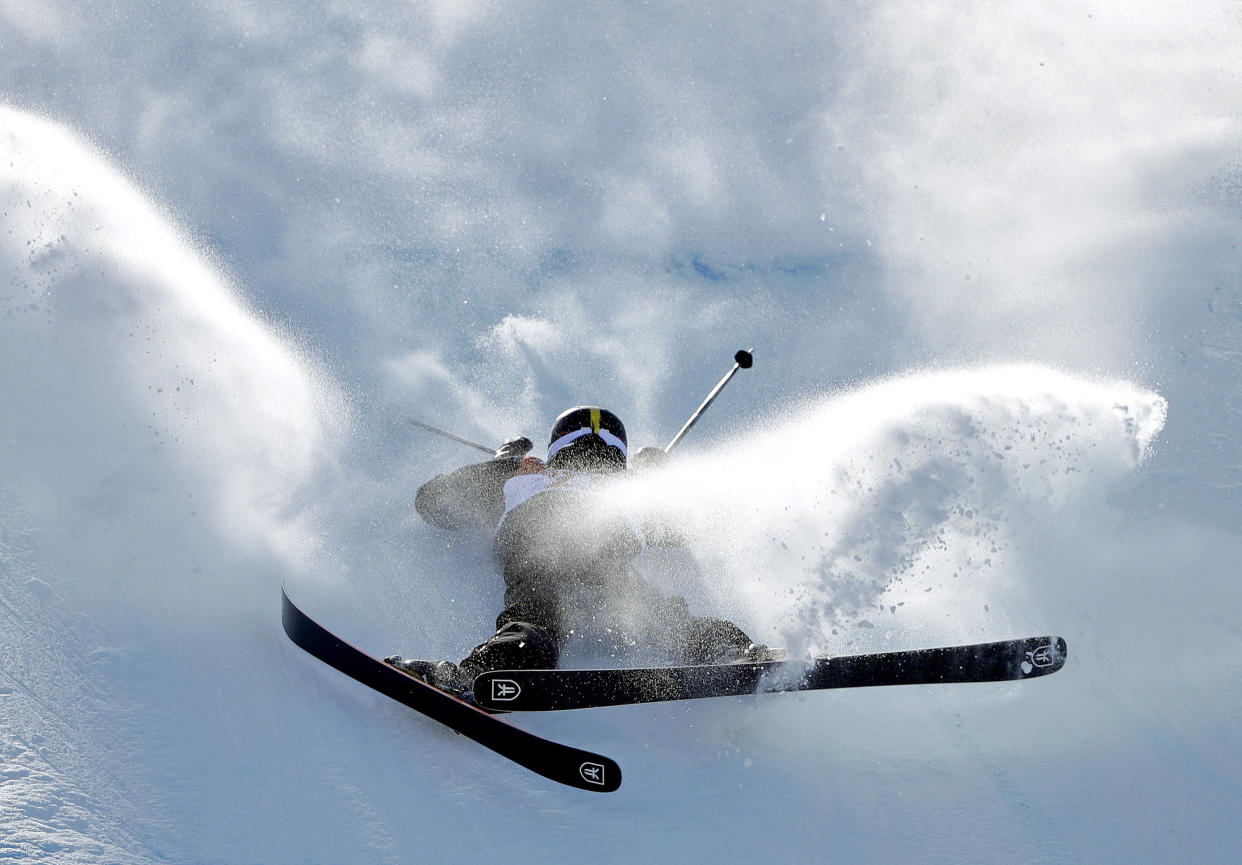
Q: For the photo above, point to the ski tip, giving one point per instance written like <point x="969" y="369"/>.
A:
<point x="596" y="774"/>
<point x="1046" y="655"/>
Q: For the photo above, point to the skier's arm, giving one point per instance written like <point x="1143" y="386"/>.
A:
<point x="656" y="530"/>
<point x="473" y="495"/>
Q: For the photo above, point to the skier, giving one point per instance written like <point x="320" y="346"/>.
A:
<point x="567" y="552"/>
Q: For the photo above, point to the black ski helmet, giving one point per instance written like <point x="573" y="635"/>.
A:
<point x="589" y="438"/>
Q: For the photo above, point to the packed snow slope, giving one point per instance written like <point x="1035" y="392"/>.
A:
<point x="988" y="259"/>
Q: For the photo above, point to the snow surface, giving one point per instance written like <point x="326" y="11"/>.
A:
<point x="989" y="262"/>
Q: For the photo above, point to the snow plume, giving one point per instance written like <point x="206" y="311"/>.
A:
<point x="126" y="353"/>
<point x="898" y="511"/>
<point x="158" y="447"/>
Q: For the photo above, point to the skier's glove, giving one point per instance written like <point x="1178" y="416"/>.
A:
<point x="649" y="459"/>
<point x="515" y="448"/>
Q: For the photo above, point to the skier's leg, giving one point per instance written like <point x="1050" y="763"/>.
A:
<point x="695" y="639"/>
<point x="517" y="645"/>
<point x="713" y="641"/>
<point x="526" y="637"/>
<point x="526" y="629"/>
<point x="698" y="639"/>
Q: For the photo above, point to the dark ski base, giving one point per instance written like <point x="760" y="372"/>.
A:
<point x="561" y="763"/>
<point x="540" y="690"/>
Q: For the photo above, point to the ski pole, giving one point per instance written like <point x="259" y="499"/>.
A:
<point x="449" y="435"/>
<point x="742" y="360"/>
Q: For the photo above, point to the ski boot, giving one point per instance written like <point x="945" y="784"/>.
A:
<point x="759" y="652"/>
<point x="443" y="675"/>
<point x="753" y="654"/>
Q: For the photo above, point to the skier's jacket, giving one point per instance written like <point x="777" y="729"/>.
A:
<point x="562" y="517"/>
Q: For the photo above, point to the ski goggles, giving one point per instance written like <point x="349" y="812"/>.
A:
<point x="571" y="437"/>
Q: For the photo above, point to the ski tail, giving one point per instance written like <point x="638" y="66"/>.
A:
<point x="565" y="764"/>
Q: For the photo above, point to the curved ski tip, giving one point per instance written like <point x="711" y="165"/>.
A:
<point x="1046" y="657"/>
<point x="598" y="775"/>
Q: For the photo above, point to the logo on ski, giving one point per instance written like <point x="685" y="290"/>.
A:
<point x="505" y="690"/>
<point x="1043" y="656"/>
<point x="592" y="773"/>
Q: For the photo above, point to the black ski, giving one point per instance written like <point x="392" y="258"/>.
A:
<point x="562" y="763"/>
<point x="539" y="690"/>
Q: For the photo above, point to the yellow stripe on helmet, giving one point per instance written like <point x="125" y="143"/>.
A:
<point x="595" y="421"/>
